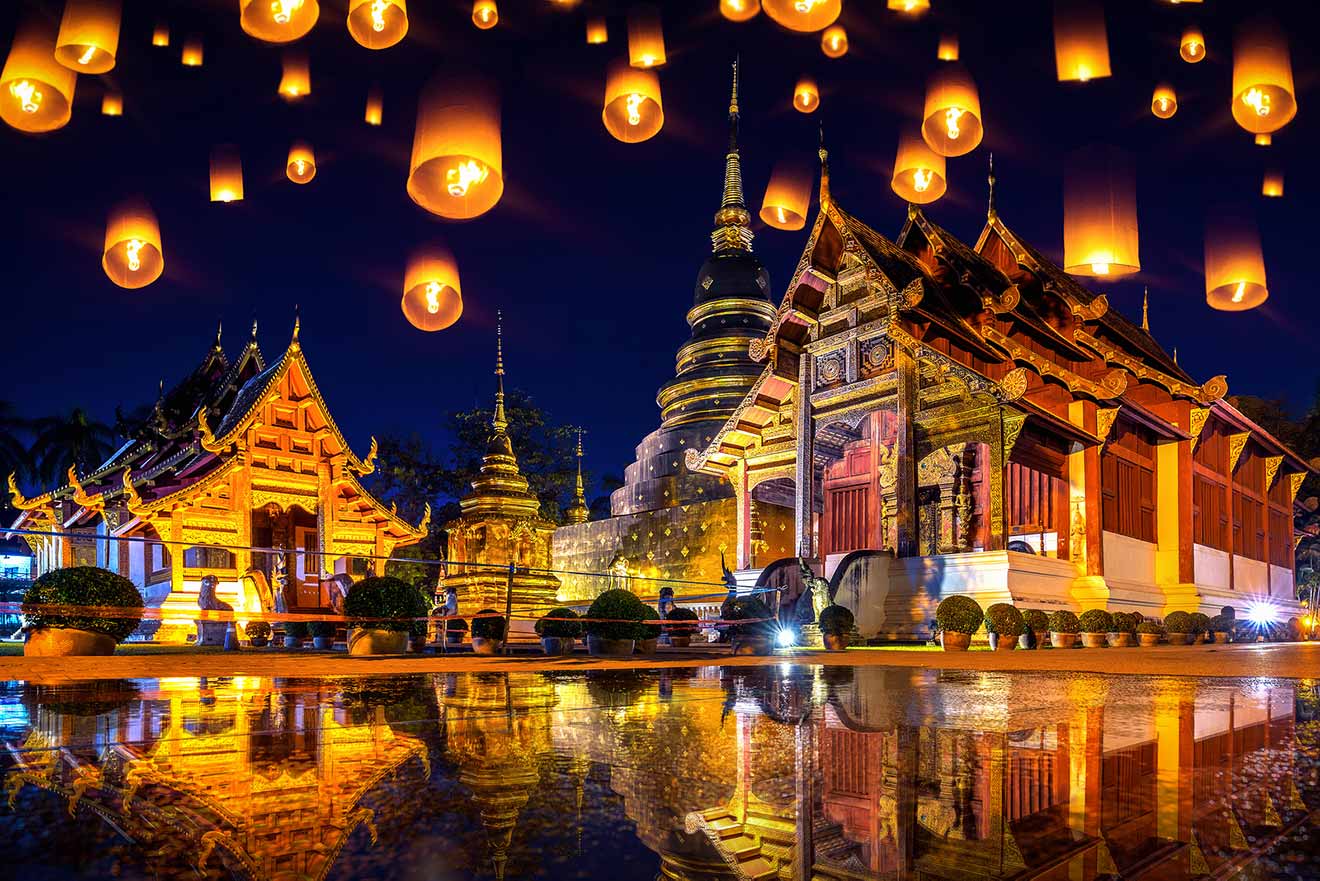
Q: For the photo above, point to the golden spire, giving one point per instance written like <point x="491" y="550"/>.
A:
<point x="498" y="422"/>
<point x="732" y="222"/>
<point x="1145" y="310"/>
<point x="577" y="512"/>
<point x="824" y="166"/>
<point x="990" y="179"/>
<point x="254" y="328"/>
<point x="297" y="324"/>
<point x="219" y="329"/>
<point x="1175" y="354"/>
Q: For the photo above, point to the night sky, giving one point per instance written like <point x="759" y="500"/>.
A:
<point x="593" y="251"/>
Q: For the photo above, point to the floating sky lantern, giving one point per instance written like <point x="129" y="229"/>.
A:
<point x="1081" y="47"/>
<point x="806" y="97"/>
<point x="296" y="79"/>
<point x="192" y="52"/>
<point x="646" y="37"/>
<point x="1100" y="214"/>
<point x="301" y="167"/>
<point x="1192" y="45"/>
<point x="1164" y="103"/>
<point x="89" y="35"/>
<point x="948" y="48"/>
<point x="432" y="297"/>
<point x="739" y="10"/>
<point x="803" y="15"/>
<point x="952" y="118"/>
<point x="485" y="14"/>
<point x="226" y="175"/>
<point x="379" y="24"/>
<point x="1264" y="140"/>
<point x="633" y="109"/>
<point x="133" y="257"/>
<point x="1264" y="99"/>
<point x="112" y="104"/>
<point x="834" y="41"/>
<point x="161" y="35"/>
<point x="36" y="93"/>
<point x="911" y="7"/>
<point x="1273" y="184"/>
<point x="597" y="31"/>
<point x="457" y="167"/>
<point x="787" y="196"/>
<point x="1234" y="265"/>
<point x="277" y="21"/>
<point x="375" y="106"/>
<point x="919" y="172"/>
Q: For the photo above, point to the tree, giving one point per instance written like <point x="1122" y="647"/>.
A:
<point x="13" y="452"/>
<point x="61" y="441"/>
<point x="1271" y="415"/>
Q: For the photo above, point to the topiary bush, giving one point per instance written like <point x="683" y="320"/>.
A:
<point x="1064" y="621"/>
<point x="1036" y="620"/>
<point x="296" y="629"/>
<point x="1150" y="627"/>
<point x="651" y="631"/>
<point x="570" y="629"/>
<point x="1125" y="623"/>
<point x="958" y="614"/>
<point x="1096" y="621"/>
<point x="1200" y="621"/>
<point x="1179" y="622"/>
<point x="836" y="620"/>
<point x="489" y="624"/>
<point x="682" y="621"/>
<point x="1228" y="612"/>
<point x="1221" y="623"/>
<point x="1005" y="620"/>
<point x="744" y="608"/>
<point x="616" y="603"/>
<point x="1136" y="616"/>
<point x="384" y="603"/>
<point x="84" y="586"/>
<point x="321" y="629"/>
<point x="257" y="630"/>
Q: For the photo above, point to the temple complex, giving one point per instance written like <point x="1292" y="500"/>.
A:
<point x="970" y="419"/>
<point x="237" y="457"/>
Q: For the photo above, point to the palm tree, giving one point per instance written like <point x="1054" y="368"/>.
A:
<point x="13" y="452"/>
<point x="61" y="441"/>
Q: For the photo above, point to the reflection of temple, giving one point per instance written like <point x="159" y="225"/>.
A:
<point x="238" y="454"/>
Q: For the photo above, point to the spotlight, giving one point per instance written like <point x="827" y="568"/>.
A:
<point x="785" y="637"/>
<point x="1262" y="613"/>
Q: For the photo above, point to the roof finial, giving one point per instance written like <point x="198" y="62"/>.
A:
<point x="733" y="221"/>
<point x="297" y="322"/>
<point x="824" y="165"/>
<point x="1145" y="310"/>
<point x="990" y="179"/>
<point x="254" y="328"/>
<point x="1175" y="354"/>
<point x="733" y="102"/>
<point x="219" y="328"/>
<point x="577" y="512"/>
<point x="498" y="421"/>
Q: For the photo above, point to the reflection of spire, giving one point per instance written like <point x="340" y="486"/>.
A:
<point x="1145" y="310"/>
<point x="498" y="421"/>
<point x="577" y="512"/>
<point x="732" y="230"/>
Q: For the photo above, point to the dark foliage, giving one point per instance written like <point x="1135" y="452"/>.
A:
<point x="84" y="586"/>
<point x="384" y="603"/>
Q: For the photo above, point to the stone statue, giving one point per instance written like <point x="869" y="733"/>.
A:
<point x="730" y="580"/>
<point x="211" y="632"/>
<point x="255" y="586"/>
<point x="817" y="587"/>
<point x="618" y="573"/>
<point x="666" y="604"/>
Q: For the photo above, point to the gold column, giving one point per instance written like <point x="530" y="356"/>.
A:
<point x="1085" y="527"/>
<point x="905" y="449"/>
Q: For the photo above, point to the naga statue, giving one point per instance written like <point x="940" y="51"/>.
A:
<point x="817" y="587"/>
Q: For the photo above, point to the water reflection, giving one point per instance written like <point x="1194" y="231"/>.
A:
<point x="742" y="773"/>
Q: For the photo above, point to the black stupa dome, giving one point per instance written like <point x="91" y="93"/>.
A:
<point x="731" y="274"/>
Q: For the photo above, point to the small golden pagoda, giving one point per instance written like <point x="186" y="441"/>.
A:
<point x="500" y="543"/>
<point x="578" y="511"/>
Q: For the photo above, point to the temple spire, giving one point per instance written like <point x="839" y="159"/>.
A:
<point x="577" y="512"/>
<point x="219" y="329"/>
<point x="824" y="166"/>
<point x="498" y="422"/>
<point x="733" y="221"/>
<point x="1145" y="310"/>
<point x="990" y="179"/>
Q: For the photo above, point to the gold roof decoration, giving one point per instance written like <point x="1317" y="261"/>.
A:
<point x="81" y="497"/>
<point x="22" y="502"/>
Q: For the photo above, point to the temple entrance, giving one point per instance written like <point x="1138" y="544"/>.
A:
<point x="299" y="568"/>
<point x="306" y="567"/>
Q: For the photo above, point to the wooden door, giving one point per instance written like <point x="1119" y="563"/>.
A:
<point x="307" y="567"/>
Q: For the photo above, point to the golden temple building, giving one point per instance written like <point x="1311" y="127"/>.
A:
<point x="237" y="456"/>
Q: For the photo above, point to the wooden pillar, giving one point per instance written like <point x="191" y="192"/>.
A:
<point x="997" y="493"/>
<point x="905" y="799"/>
<point x="1085" y="518"/>
<point x="743" y="499"/>
<point x="905" y="452"/>
<point x="805" y="466"/>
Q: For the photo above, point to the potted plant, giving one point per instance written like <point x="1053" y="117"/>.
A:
<point x="1200" y="625"/>
<point x="1096" y="625"/>
<point x="1039" y="625"/>
<point x="558" y="631"/>
<point x="488" y="630"/>
<point x="836" y="626"/>
<point x="1179" y="627"/>
<point x="756" y="636"/>
<point x="1122" y="633"/>
<point x="1150" y="633"/>
<point x="455" y="628"/>
<point x="381" y="611"/>
<point x="957" y="618"/>
<point x="62" y="634"/>
<point x="1004" y="624"/>
<point x="648" y="634"/>
<point x="1064" y="626"/>
<point x="294" y="633"/>
<point x="323" y="634"/>
<point x="1221" y="628"/>
<point x="682" y="626"/>
<point x="258" y="633"/>
<point x="613" y="627"/>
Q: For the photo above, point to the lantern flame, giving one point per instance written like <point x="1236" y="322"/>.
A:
<point x="283" y="10"/>
<point x="1240" y="293"/>
<point x="779" y="209"/>
<point x="27" y="95"/>
<point x="86" y="57"/>
<point x="301" y="166"/>
<point x="378" y="8"/>
<point x="805" y="6"/>
<point x="921" y="179"/>
<point x="1258" y="101"/>
<point x="133" y="250"/>
<point x="951" y="117"/>
<point x="460" y="178"/>
<point x="433" y="297"/>
<point x="634" y="105"/>
<point x="1100" y="268"/>
<point x="1193" y="48"/>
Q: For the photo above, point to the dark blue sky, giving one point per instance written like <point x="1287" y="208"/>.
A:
<point x="592" y="252"/>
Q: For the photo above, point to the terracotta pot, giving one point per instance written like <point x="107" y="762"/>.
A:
<point x="952" y="641"/>
<point x="557" y="645"/>
<point x="292" y="642"/>
<point x="1149" y="639"/>
<point x="454" y="637"/>
<point x="1222" y="639"/>
<point x="258" y="642"/>
<point x="1120" y="640"/>
<point x="608" y="648"/>
<point x="751" y="645"/>
<point x="326" y="643"/>
<point x="1006" y="643"/>
<point x="1199" y="639"/>
<point x="1179" y="638"/>
<point x="1062" y="640"/>
<point x="680" y="640"/>
<point x="482" y="645"/>
<point x="66" y="642"/>
<point x="645" y="646"/>
<point x="836" y="642"/>
<point x="369" y="641"/>
<point x="1042" y="638"/>
<point x="1095" y="640"/>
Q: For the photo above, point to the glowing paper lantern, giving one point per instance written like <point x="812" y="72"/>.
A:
<point x="952" y="118"/>
<point x="301" y="167"/>
<point x="375" y="106"/>
<point x="1100" y="214"/>
<point x="806" y="97"/>
<point x="803" y="15"/>
<point x="919" y="172"/>
<point x="277" y="21"/>
<point x="1192" y="45"/>
<point x="226" y="175"/>
<point x="432" y="297"/>
<point x="1081" y="47"/>
<point x="379" y="24"/>
<point x="89" y="35"/>
<point x="1264" y="140"/>
<point x="1273" y="184"/>
<point x="296" y="81"/>
<point x="192" y="52"/>
<point x="1164" y="103"/>
<point x="36" y="93"/>
<point x="1264" y="99"/>
<point x="834" y="42"/>
<point x="112" y="104"/>
<point x="133" y="257"/>
<point x="161" y="35"/>
<point x="912" y="7"/>
<point x="457" y="167"/>
<point x="597" y="31"/>
<point x="1234" y="266"/>
<point x="739" y="10"/>
<point x="948" y="48"/>
<point x="485" y="15"/>
<point x="646" y="37"/>
<point x="787" y="196"/>
<point x="633" y="109"/>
